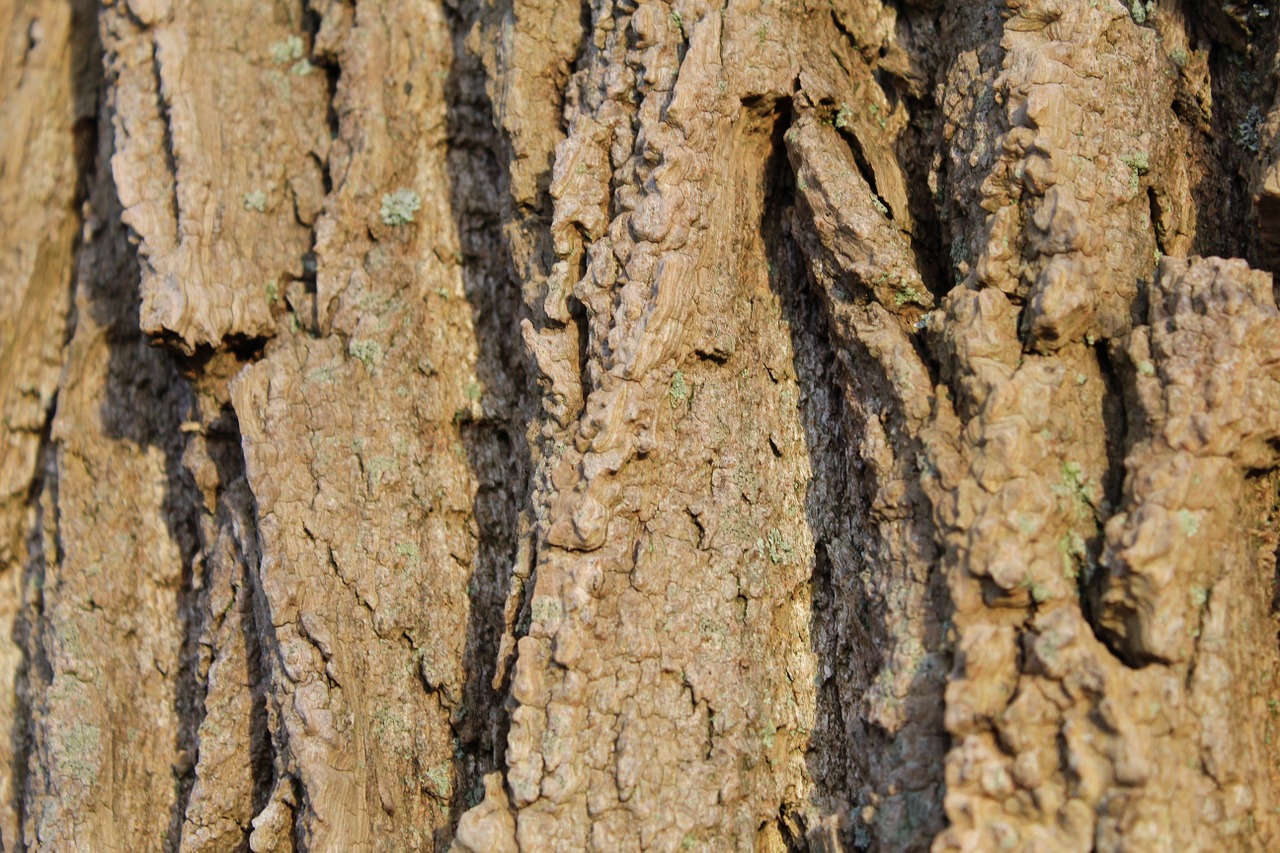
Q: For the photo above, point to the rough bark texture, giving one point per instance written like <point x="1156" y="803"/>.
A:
<point x="504" y="425"/>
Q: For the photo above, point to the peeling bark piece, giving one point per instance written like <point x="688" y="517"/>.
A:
<point x="852" y="224"/>
<point x="228" y="92"/>
<point x="527" y="49"/>
<point x="105" y="594"/>
<point x="364" y="569"/>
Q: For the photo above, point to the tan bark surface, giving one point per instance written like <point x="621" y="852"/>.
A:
<point x="504" y="425"/>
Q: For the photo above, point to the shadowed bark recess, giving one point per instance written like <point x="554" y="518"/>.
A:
<point x="627" y="425"/>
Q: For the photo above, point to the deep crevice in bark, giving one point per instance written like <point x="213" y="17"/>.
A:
<point x="29" y="629"/>
<point x="26" y="628"/>
<point x="844" y="664"/>
<point x="1122" y="427"/>
<point x="162" y="107"/>
<point x="151" y="418"/>
<point x="495" y="445"/>
<point x="1240" y="78"/>
<point x="931" y="236"/>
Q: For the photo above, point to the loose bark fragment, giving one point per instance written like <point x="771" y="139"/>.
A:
<point x="228" y="94"/>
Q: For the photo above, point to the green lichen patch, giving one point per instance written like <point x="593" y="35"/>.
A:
<point x="80" y="752"/>
<point x="255" y="201"/>
<point x="399" y="206"/>
<point x="679" y="390"/>
<point x="545" y="609"/>
<point x="778" y="548"/>
<point x="368" y="352"/>
<point x="439" y="780"/>
<point x="289" y="49"/>
<point x="1247" y="133"/>
<point x="379" y="467"/>
<point x="1139" y="164"/>
<point x="1189" y="522"/>
<point x="907" y="293"/>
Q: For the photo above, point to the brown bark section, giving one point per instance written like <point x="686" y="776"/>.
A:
<point x="369" y="431"/>
<point x="105" y="591"/>
<point x="508" y="425"/>
<point x="48" y="75"/>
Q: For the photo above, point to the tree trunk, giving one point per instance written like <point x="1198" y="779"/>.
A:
<point x="506" y="425"/>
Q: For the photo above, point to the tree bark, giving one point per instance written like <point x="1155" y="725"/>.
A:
<point x="504" y="425"/>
